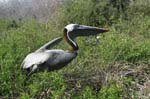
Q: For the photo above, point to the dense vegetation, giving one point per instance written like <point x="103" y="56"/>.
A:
<point x="116" y="67"/>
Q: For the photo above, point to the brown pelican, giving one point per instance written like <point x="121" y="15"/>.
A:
<point x="55" y="59"/>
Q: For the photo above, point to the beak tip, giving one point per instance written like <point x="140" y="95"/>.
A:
<point x="105" y="30"/>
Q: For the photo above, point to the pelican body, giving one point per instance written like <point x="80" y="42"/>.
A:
<point x="55" y="59"/>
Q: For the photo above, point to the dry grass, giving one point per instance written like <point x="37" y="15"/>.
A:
<point x="139" y="82"/>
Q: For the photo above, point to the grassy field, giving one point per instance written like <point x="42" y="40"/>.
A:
<point x="116" y="67"/>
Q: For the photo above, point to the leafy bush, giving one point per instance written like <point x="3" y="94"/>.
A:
<point x="127" y="41"/>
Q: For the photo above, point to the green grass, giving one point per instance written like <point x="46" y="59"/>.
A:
<point x="94" y="73"/>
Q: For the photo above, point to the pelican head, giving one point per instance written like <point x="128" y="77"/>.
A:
<point x="72" y="31"/>
<point x="75" y="30"/>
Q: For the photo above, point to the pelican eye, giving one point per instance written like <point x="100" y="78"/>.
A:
<point x="76" y="26"/>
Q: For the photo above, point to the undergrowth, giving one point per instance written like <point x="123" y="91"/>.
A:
<point x="127" y="42"/>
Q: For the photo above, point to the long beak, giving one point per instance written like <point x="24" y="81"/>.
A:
<point x="94" y="29"/>
<point x="83" y="30"/>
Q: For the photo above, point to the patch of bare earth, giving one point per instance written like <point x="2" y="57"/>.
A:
<point x="138" y="73"/>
